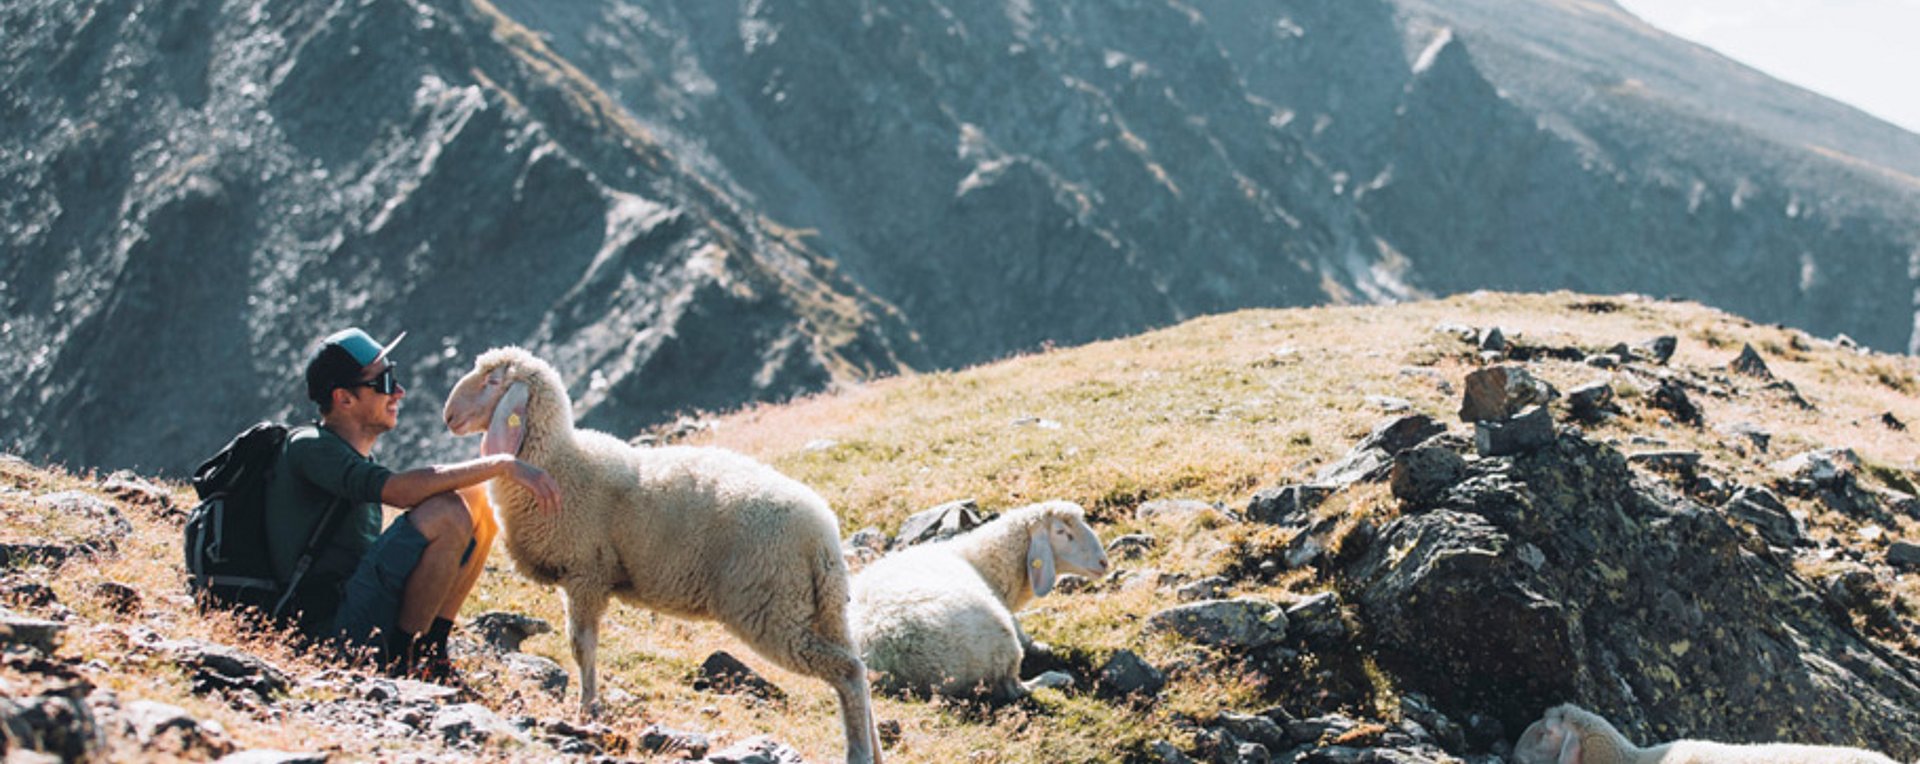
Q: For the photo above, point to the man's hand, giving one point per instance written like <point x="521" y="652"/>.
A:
<point x="545" y="490"/>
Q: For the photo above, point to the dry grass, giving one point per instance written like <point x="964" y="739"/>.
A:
<point x="1213" y="410"/>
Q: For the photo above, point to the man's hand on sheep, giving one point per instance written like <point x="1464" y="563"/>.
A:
<point x="545" y="490"/>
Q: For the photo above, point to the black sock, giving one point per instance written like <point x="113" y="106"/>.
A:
<point x="399" y="648"/>
<point x="437" y="633"/>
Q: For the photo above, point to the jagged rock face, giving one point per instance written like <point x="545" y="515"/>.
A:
<point x="1559" y="575"/>
<point x="196" y="194"/>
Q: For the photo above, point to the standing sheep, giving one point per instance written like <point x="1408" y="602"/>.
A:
<point x="697" y="533"/>
<point x="1569" y="734"/>
<point x="938" y="618"/>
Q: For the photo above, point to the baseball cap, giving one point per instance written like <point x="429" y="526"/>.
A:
<point x="338" y="359"/>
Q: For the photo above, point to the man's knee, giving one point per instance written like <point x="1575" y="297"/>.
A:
<point x="443" y="516"/>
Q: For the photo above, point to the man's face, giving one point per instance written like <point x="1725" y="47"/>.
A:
<point x="381" y="411"/>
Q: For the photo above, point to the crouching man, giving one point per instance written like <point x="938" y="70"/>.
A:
<point x="398" y="590"/>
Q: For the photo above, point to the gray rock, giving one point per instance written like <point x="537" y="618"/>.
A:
<point x="1904" y="554"/>
<point x="1603" y="361"/>
<point x="1667" y="461"/>
<point x="1242" y="623"/>
<point x="134" y="489"/>
<point x="1316" y="621"/>
<point x="1659" y="349"/>
<point x="271" y="756"/>
<point x="872" y="539"/>
<point x="471" y="723"/>
<point x="1750" y="363"/>
<point x="941" y="522"/>
<point x="541" y="671"/>
<point x="722" y="673"/>
<point x="43" y="636"/>
<point x="1209" y="588"/>
<point x="1417" y="707"/>
<point x="1253" y="728"/>
<point x="1494" y="340"/>
<point x="1288" y="504"/>
<point x="657" y="740"/>
<point x="58" y="723"/>
<point x="1751" y="433"/>
<point x="1765" y="512"/>
<point x="1591" y="401"/>
<point x="1371" y="458"/>
<point x="1826" y="468"/>
<point x="219" y="667"/>
<point x="1132" y="546"/>
<point x="1671" y="397"/>
<point x="1252" y="753"/>
<point x="1319" y="729"/>
<point x="1178" y="511"/>
<point x="161" y="726"/>
<point x="1165" y="753"/>
<point x="1126" y="675"/>
<point x="404" y="692"/>
<point x="757" y="750"/>
<point x="1531" y="430"/>
<point x="1419" y="474"/>
<point x="505" y="631"/>
<point x="1499" y="392"/>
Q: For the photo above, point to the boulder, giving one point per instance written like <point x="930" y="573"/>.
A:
<point x="505" y="631"/>
<point x="1371" y="458"/>
<point x="1125" y="675"/>
<point x="1658" y="350"/>
<point x="942" y="522"/>
<point x="1500" y="392"/>
<point x="1759" y="508"/>
<point x="1750" y="363"/>
<point x="1591" y="401"/>
<point x="1243" y="623"/>
<point x="1316" y="621"/>
<point x="1529" y="430"/>
<point x="1423" y="472"/>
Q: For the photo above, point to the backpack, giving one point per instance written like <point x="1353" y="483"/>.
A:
<point x="226" y="533"/>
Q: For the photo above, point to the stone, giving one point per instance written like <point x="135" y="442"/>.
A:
<point x="1892" y="422"/>
<point x="1132" y="546"/>
<point x="1252" y="753"/>
<point x="1209" y="588"/>
<point x="1288" y="504"/>
<point x="1500" y="392"/>
<point x="471" y="723"/>
<point x="757" y="750"/>
<point x="1166" y="753"/>
<point x="1371" y="458"/>
<point x="1243" y="623"/>
<point x="505" y="631"/>
<point x="1178" y="511"/>
<point x="722" y="673"/>
<point x="1750" y="432"/>
<point x="169" y="729"/>
<point x="1125" y="675"/>
<point x="1902" y="554"/>
<point x="1667" y="461"/>
<point x="1253" y="728"/>
<point x="1494" y="340"/>
<point x="1830" y="468"/>
<point x="1389" y="404"/>
<point x="42" y="636"/>
<point x="1603" y="361"/>
<point x="1532" y="429"/>
<point x="657" y="740"/>
<point x="1422" y="473"/>
<point x="1671" y="397"/>
<point x="1765" y="512"/>
<point x="1750" y="363"/>
<point x="1316" y="621"/>
<point x="1591" y="401"/>
<point x="942" y="522"/>
<point x="58" y="723"/>
<point x="1659" y="349"/>
<point x="538" y="670"/>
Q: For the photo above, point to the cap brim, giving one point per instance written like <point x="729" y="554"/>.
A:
<point x="391" y="344"/>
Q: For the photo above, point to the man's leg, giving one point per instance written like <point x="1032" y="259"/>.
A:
<point x="485" y="528"/>
<point x="448" y="527"/>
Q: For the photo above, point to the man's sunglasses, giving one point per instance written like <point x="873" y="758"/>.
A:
<point x="383" y="384"/>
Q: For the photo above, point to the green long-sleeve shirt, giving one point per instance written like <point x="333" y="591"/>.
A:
<point x="317" y="468"/>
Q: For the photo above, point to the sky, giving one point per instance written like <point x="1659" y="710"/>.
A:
<point x="1865" y="53"/>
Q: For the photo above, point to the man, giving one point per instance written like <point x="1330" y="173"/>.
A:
<point x="385" y="589"/>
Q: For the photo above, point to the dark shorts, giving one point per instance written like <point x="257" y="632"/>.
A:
<point x="370" y="603"/>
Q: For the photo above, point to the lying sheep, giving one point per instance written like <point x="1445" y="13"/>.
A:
<point x="692" y="532"/>
<point x="938" y="618"/>
<point x="1569" y="734"/>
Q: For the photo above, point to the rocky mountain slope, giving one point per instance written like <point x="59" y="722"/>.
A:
<point x="1340" y="535"/>
<point x="710" y="203"/>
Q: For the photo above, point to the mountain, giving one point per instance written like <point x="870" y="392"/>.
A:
<point x="690" y="205"/>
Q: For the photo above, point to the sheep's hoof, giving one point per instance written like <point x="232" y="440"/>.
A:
<point x="1055" y="680"/>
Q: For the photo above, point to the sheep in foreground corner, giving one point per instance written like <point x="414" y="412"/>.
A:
<point x="938" y="618"/>
<point x="697" y="533"/>
<point x="1569" y="734"/>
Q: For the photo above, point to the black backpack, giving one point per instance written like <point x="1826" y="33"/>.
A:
<point x="226" y="533"/>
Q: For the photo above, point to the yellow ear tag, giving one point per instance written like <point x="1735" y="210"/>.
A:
<point x="513" y="420"/>
<point x="1036" y="563"/>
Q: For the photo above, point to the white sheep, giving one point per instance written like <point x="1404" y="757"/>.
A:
<point x="938" y="618"/>
<point x="698" y="533"/>
<point x="1569" y="734"/>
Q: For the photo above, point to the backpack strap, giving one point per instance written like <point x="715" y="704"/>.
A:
<point x="307" y="553"/>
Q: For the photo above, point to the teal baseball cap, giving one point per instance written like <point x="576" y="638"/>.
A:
<point x="338" y="359"/>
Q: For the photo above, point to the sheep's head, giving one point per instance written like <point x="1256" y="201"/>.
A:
<point x="1060" y="541"/>
<point x="505" y="384"/>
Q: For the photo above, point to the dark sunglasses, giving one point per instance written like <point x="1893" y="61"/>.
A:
<point x="385" y="384"/>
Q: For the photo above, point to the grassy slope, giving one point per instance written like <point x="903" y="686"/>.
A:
<point x="1213" y="409"/>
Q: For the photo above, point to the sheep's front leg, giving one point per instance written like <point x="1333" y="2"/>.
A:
<point x="584" y="606"/>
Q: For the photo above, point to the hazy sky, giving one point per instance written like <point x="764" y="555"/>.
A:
<point x="1863" y="52"/>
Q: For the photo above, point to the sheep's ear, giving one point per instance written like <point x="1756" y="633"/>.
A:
<point x="509" y="427"/>
<point x="1040" y="559"/>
